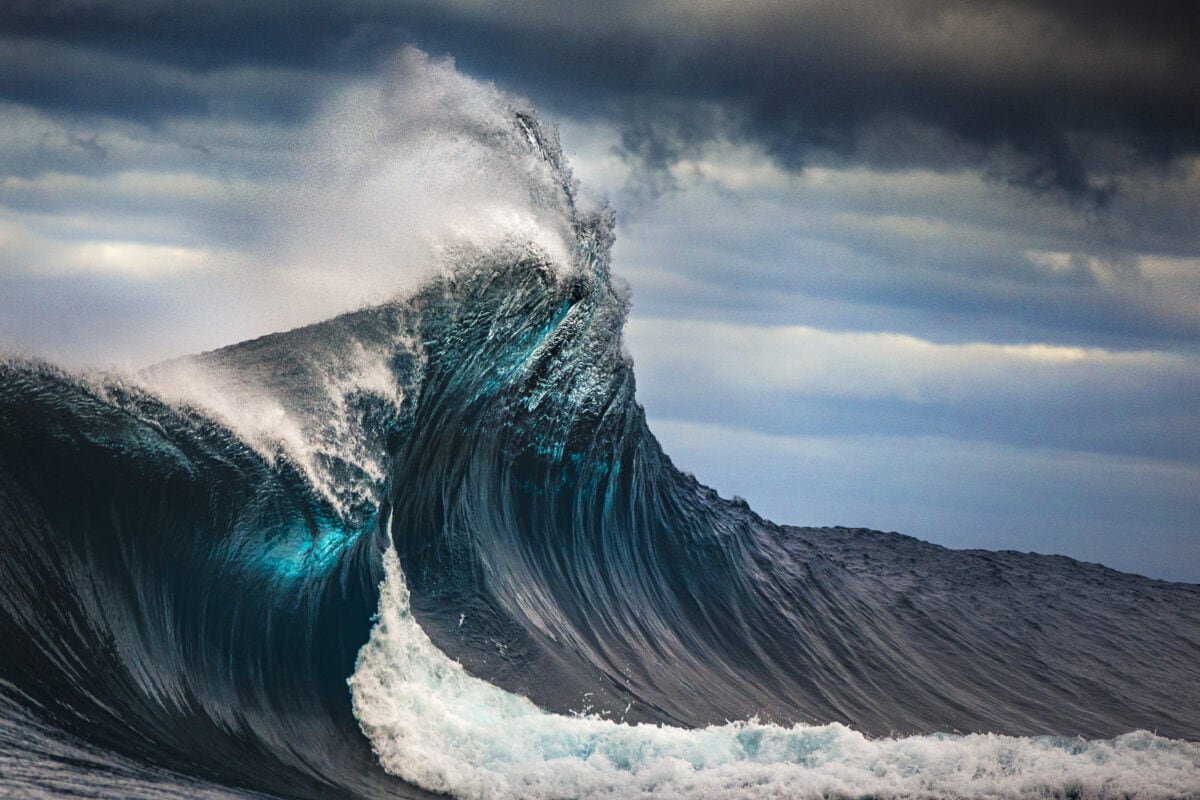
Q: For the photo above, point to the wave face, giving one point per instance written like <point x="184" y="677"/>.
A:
<point x="432" y="545"/>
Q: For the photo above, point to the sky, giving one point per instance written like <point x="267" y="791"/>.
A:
<point x="923" y="266"/>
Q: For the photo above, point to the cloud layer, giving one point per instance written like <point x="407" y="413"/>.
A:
<point x="1065" y="96"/>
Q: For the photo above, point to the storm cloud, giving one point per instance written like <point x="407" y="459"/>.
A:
<point x="1053" y="96"/>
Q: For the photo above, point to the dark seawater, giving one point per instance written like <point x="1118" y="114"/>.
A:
<point x="433" y="545"/>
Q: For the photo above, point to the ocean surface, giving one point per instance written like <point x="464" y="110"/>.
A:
<point x="431" y="547"/>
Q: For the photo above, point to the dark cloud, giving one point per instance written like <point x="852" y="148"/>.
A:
<point x="1060" y="97"/>
<point x="206" y="35"/>
<point x="85" y="82"/>
<point x="1063" y="101"/>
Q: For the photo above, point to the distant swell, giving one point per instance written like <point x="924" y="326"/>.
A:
<point x="433" y="545"/>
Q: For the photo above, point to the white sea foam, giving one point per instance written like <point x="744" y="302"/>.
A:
<point x="263" y="411"/>
<point x="434" y="725"/>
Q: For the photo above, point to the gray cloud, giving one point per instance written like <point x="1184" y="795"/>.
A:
<point x="1062" y="97"/>
<point x="1054" y="98"/>
<point x="809" y="382"/>
<point x="934" y="254"/>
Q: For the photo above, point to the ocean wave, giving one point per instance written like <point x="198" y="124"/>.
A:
<point x="444" y="523"/>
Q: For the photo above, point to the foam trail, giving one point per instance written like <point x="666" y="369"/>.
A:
<point x="434" y="725"/>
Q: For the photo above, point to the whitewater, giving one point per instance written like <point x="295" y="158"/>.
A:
<point x="430" y="547"/>
<point x="437" y="726"/>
